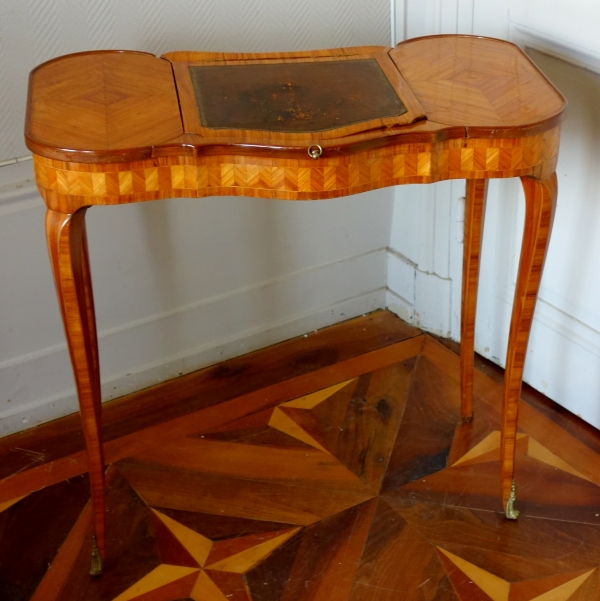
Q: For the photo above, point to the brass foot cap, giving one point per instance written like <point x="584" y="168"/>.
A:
<point x="512" y="513"/>
<point x="96" y="567"/>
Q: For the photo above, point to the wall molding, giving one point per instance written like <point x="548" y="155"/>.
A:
<point x="526" y="37"/>
<point x="558" y="320"/>
<point x="421" y="298"/>
<point x="45" y="375"/>
<point x="548" y="312"/>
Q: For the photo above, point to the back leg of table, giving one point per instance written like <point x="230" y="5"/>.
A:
<point x="540" y="205"/>
<point x="474" y="216"/>
<point x="91" y="322"/>
<point x="67" y="245"/>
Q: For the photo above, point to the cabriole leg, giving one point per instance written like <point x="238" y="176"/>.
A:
<point x="540" y="205"/>
<point x="474" y="215"/>
<point x="67" y="244"/>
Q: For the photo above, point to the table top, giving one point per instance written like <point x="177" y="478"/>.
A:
<point x="122" y="106"/>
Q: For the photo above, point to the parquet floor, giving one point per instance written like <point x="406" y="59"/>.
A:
<point x="333" y="468"/>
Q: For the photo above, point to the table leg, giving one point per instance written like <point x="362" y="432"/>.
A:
<point x="540" y="205"/>
<point x="474" y="213"/>
<point x="67" y="245"/>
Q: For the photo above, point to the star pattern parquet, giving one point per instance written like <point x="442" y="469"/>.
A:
<point x="366" y="488"/>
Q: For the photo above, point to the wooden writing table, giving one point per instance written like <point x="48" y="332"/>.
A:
<point x="113" y="127"/>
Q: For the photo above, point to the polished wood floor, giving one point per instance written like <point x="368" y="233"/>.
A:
<point x="332" y="467"/>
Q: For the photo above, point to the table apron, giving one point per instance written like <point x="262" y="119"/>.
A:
<point x="68" y="186"/>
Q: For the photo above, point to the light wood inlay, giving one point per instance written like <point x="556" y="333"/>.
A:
<point x="68" y="186"/>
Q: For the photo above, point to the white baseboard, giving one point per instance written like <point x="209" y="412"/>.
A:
<point x="141" y="354"/>
<point x="422" y="299"/>
<point x="565" y="50"/>
<point x="563" y="355"/>
<point x="561" y="367"/>
<point x="401" y="307"/>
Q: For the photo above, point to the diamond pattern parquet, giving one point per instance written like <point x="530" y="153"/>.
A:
<point x="368" y="488"/>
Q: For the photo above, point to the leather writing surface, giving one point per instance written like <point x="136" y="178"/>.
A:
<point x="295" y="96"/>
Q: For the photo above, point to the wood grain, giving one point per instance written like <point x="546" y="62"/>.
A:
<point x="32" y="531"/>
<point x="40" y="446"/>
<point x="227" y="528"/>
<point x="321" y="89"/>
<point x="67" y="186"/>
<point x="540" y="206"/>
<point x="488" y="86"/>
<point x="68" y="253"/>
<point x="105" y="105"/>
<point x="475" y="197"/>
<point x="211" y="409"/>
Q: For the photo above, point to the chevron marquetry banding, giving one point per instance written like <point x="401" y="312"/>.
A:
<point x="69" y="186"/>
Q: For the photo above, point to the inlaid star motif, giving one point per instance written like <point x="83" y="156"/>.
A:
<point x="294" y="418"/>
<point x="489" y="450"/>
<point x="371" y="488"/>
<point x="473" y="583"/>
<point x="195" y="567"/>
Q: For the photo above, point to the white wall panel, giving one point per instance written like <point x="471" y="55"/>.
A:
<point x="180" y="284"/>
<point x="564" y="352"/>
<point x="183" y="283"/>
<point x="426" y="223"/>
<point x="489" y="18"/>
<point x="564" y="22"/>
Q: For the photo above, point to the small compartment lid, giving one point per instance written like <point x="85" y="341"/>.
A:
<point x="292" y="98"/>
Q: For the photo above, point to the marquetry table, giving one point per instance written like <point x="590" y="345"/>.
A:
<point x="111" y="127"/>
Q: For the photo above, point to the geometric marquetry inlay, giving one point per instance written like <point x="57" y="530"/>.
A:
<point x="342" y="493"/>
<point x="70" y="183"/>
<point x="489" y="450"/>
<point x="554" y="588"/>
<point x="194" y="581"/>
<point x="282" y="420"/>
<point x="496" y="588"/>
<point x="6" y="504"/>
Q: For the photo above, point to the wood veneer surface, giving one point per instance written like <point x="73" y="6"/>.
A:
<point x="102" y="103"/>
<point x="478" y="83"/>
<point x="108" y="106"/>
<point x="358" y="481"/>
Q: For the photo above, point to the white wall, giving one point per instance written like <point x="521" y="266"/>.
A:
<point x="564" y="352"/>
<point x="184" y="283"/>
<point x="425" y="258"/>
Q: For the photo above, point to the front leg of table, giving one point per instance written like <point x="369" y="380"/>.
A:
<point x="67" y="245"/>
<point x="474" y="214"/>
<point x="540" y="205"/>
